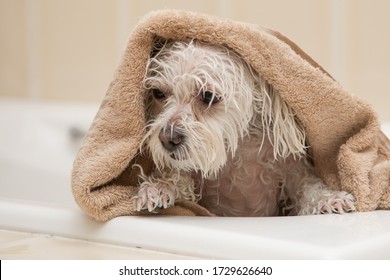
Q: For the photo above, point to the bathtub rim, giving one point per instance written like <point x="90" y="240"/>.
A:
<point x="203" y="237"/>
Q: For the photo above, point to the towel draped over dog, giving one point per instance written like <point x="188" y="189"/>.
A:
<point x="343" y="133"/>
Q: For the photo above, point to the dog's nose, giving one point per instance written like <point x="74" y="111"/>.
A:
<point x="170" y="139"/>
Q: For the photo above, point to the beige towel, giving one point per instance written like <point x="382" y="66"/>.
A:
<point x="348" y="148"/>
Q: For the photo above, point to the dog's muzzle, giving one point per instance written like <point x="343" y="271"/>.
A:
<point x="170" y="139"/>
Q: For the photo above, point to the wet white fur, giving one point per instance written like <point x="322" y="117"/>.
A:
<point x="245" y="155"/>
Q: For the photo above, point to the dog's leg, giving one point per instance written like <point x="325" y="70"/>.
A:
<point x="161" y="189"/>
<point x="317" y="198"/>
<point x="306" y="194"/>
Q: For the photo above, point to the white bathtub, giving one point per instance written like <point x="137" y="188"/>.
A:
<point x="37" y="145"/>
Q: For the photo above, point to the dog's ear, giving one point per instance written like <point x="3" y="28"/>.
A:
<point x="280" y="123"/>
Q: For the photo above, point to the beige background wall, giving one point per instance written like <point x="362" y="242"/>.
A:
<point x="69" y="49"/>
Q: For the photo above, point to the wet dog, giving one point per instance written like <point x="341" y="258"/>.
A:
<point x="220" y="135"/>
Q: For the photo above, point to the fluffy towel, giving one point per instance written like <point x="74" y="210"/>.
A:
<point x="343" y="132"/>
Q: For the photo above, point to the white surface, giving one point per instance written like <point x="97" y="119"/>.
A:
<point x="37" y="150"/>
<point x="353" y="236"/>
<point x="36" y="155"/>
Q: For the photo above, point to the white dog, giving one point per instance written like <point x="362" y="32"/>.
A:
<point x="221" y="136"/>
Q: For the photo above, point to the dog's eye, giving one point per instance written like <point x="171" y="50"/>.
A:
<point x="158" y="94"/>
<point x="209" y="98"/>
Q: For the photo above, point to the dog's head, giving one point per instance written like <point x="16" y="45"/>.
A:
<point x="201" y="100"/>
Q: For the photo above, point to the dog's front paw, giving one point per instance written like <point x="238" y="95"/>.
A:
<point x="338" y="202"/>
<point x="151" y="196"/>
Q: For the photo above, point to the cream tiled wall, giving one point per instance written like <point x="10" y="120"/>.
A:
<point x="68" y="49"/>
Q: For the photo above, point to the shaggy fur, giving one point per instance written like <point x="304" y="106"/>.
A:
<point x="221" y="136"/>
